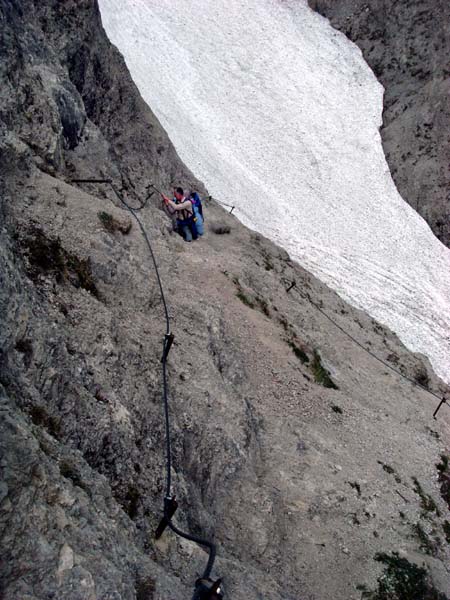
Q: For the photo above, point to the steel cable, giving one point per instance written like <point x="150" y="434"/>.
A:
<point x="166" y="346"/>
<point x="231" y="206"/>
<point x="416" y="383"/>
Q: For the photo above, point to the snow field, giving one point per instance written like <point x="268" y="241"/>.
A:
<point x="279" y="115"/>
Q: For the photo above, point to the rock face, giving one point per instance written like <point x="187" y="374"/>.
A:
<point x="406" y="43"/>
<point x="301" y="455"/>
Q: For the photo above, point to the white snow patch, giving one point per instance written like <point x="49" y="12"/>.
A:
<point x="279" y="114"/>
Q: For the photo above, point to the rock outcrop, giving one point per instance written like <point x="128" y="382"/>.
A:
<point x="301" y="455"/>
<point x="406" y="44"/>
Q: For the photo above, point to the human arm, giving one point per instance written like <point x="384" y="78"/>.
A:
<point x="186" y="205"/>
<point x="169" y="210"/>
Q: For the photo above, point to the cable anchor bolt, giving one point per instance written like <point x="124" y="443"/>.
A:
<point x="443" y="401"/>
<point x="170" y="506"/>
<point x="206" y="589"/>
<point x="293" y="284"/>
<point x="168" y="341"/>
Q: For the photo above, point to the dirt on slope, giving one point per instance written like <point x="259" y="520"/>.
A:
<point x="297" y="452"/>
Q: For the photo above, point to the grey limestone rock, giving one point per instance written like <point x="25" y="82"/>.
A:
<point x="256" y="439"/>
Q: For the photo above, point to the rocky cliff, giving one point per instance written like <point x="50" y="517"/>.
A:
<point x="406" y="43"/>
<point x="298" y="453"/>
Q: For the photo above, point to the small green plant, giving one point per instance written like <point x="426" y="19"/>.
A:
<point x="321" y="375"/>
<point x="46" y="255"/>
<point x="245" y="299"/>
<point x="446" y="528"/>
<point x="299" y="353"/>
<point x="263" y="306"/>
<point x="111" y="224"/>
<point x="256" y="302"/>
<point x="444" y="478"/>
<point x="426" y="502"/>
<point x="107" y="221"/>
<point x="402" y="580"/>
<point x="442" y="467"/>
<point x="426" y="543"/>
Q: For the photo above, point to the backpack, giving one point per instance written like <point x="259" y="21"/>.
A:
<point x="197" y="203"/>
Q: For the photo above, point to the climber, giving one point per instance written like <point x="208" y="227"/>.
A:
<point x="184" y="211"/>
<point x="198" y="212"/>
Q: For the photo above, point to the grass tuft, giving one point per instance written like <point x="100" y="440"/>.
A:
<point x="46" y="255"/>
<point x="321" y="375"/>
<point x="446" y="528"/>
<point x="299" y="353"/>
<point x="402" y="580"/>
<point x="442" y="467"/>
<point x="444" y="478"/>
<point x="426" y="501"/>
<point x="112" y="224"/>
<point x="245" y="299"/>
<point x="263" y="306"/>
<point x="426" y="543"/>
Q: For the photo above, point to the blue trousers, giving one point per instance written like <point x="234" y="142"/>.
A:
<point x="188" y="229"/>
